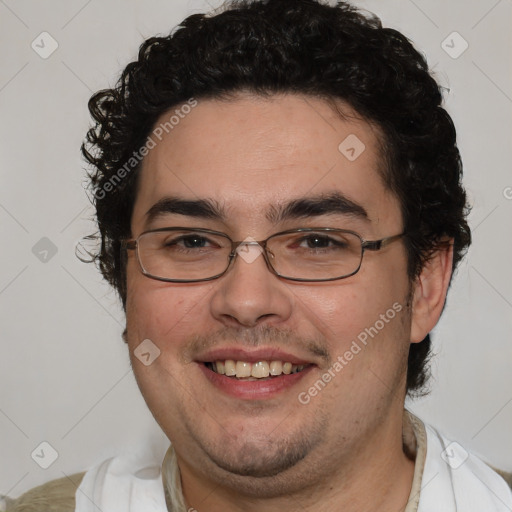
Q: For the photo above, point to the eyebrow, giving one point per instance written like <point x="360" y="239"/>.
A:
<point x="199" y="208"/>
<point x="324" y="204"/>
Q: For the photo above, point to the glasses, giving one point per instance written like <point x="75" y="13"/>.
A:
<point x="187" y="255"/>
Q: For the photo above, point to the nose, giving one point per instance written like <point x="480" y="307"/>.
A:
<point x="249" y="294"/>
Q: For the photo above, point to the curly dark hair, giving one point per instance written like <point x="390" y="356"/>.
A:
<point x="288" y="46"/>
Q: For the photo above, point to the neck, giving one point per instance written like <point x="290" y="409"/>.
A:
<point x="376" y="476"/>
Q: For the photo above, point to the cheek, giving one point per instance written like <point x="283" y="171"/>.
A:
<point x="334" y="311"/>
<point x="346" y="309"/>
<point x="146" y="313"/>
<point x="162" y="312"/>
<point x="166" y="315"/>
<point x="371" y="313"/>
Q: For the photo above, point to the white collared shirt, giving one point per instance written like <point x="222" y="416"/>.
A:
<point x="446" y="479"/>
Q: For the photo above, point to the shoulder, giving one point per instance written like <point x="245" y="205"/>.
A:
<point x="54" y="496"/>
<point x="439" y="444"/>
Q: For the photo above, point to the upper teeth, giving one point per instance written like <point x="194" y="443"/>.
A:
<point x="258" y="370"/>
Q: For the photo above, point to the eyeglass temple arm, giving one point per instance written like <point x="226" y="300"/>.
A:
<point x="377" y="245"/>
<point x="129" y="244"/>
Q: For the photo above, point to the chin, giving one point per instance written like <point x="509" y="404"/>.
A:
<point x="259" y="461"/>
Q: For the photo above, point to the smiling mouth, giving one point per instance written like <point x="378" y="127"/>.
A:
<point x="260" y="370"/>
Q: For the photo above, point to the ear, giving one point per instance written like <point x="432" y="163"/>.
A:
<point x="430" y="289"/>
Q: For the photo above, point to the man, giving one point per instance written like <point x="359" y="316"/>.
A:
<point x="279" y="199"/>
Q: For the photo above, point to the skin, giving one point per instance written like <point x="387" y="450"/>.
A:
<point x="343" y="450"/>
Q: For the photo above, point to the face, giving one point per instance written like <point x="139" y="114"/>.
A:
<point x="249" y="158"/>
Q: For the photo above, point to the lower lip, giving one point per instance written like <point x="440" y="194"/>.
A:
<point x="253" y="389"/>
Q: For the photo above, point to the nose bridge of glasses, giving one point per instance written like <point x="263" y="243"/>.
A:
<point x="250" y="249"/>
<point x="237" y="246"/>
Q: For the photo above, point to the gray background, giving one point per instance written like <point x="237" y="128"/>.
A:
<point x="65" y="376"/>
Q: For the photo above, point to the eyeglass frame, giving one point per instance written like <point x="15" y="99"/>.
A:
<point x="370" y="245"/>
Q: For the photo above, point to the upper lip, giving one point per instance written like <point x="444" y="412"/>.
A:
<point x="250" y="356"/>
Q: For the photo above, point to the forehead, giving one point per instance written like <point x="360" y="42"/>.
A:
<point x="251" y="155"/>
